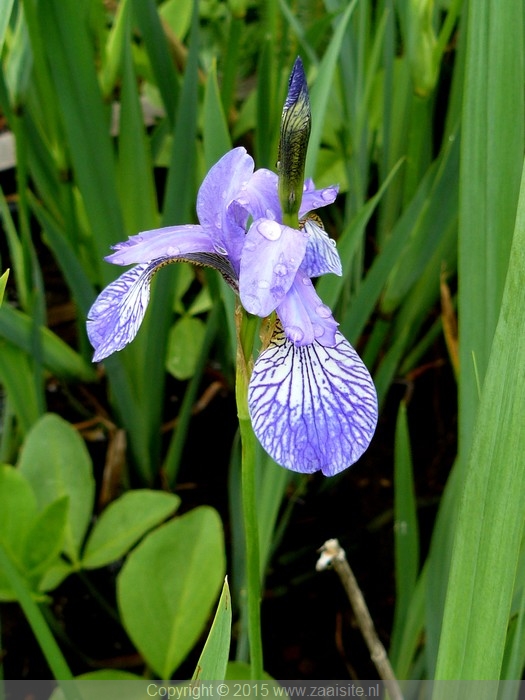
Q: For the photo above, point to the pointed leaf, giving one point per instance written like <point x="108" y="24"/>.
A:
<point x="168" y="585"/>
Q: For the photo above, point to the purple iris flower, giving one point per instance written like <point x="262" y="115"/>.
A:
<point x="271" y="264"/>
<point x="311" y="399"/>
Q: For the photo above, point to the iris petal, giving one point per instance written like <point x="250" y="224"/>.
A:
<point x="270" y="259"/>
<point x="314" y="199"/>
<point x="221" y="186"/>
<point x="115" y="317"/>
<point x="160" y="243"/>
<point x="321" y="254"/>
<point x="312" y="408"/>
<point x="304" y="316"/>
<point x="260" y="196"/>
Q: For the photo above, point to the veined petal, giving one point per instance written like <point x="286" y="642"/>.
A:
<point x="314" y="199"/>
<point x="304" y="316"/>
<point x="312" y="408"/>
<point x="270" y="259"/>
<point x="321" y="254"/>
<point x="260" y="196"/>
<point x="221" y="186"/>
<point x="167" y="242"/>
<point x="115" y="317"/>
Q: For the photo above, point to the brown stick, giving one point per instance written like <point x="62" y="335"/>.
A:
<point x="333" y="555"/>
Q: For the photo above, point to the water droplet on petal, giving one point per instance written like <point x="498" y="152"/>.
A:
<point x="327" y="195"/>
<point x="172" y="251"/>
<point x="263" y="284"/>
<point x="318" y="330"/>
<point x="269" y="214"/>
<point x="251" y="303"/>
<point x="278" y="292"/>
<point x="218" y="221"/>
<point x="249" y="245"/>
<point x="280" y="270"/>
<point x="295" y="334"/>
<point x="220" y="249"/>
<point x="323" y="311"/>
<point x="269" y="229"/>
<point x="332" y="242"/>
<point x="307" y="281"/>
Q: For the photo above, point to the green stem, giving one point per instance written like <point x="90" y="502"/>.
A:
<point x="248" y="328"/>
<point x="50" y="648"/>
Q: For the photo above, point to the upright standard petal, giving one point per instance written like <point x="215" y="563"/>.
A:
<point x="115" y="317"/>
<point x="260" y="196"/>
<point x="221" y="186"/>
<point x="270" y="259"/>
<point x="313" y="407"/>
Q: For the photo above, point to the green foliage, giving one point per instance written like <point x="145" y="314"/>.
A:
<point x="168" y="586"/>
<point x="118" y="111"/>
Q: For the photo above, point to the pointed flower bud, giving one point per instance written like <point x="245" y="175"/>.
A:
<point x="295" y="132"/>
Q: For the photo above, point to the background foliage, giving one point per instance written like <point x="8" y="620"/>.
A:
<point x="117" y="110"/>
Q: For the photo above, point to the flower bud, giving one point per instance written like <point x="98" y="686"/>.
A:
<point x="295" y="132"/>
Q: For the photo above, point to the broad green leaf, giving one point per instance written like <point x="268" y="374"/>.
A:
<point x="124" y="522"/>
<point x="45" y="539"/>
<point x="56" y="462"/>
<point x="168" y="586"/>
<point x="491" y="514"/>
<point x="492" y="145"/>
<point x="214" y="658"/>
<point x="18" y="510"/>
<point x="184" y="345"/>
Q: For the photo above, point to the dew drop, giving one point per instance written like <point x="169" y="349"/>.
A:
<point x="332" y="242"/>
<point x="220" y="249"/>
<point x="280" y="270"/>
<point x="295" y="334"/>
<point x="323" y="311"/>
<point x="327" y="195"/>
<point x="307" y="281"/>
<point x="251" y="303"/>
<point x="249" y="245"/>
<point x="318" y="330"/>
<point x="270" y="230"/>
<point x="269" y="214"/>
<point x="263" y="284"/>
<point x="171" y="251"/>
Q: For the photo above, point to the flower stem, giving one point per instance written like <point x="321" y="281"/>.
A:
<point x="247" y="330"/>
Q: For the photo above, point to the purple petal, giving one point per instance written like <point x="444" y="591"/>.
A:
<point x="260" y="196"/>
<point x="321" y="254"/>
<point x="312" y="408"/>
<point x="270" y="259"/>
<point x="168" y="242"/>
<point x="221" y="186"/>
<point x="115" y="317"/>
<point x="314" y="199"/>
<point x="304" y="316"/>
